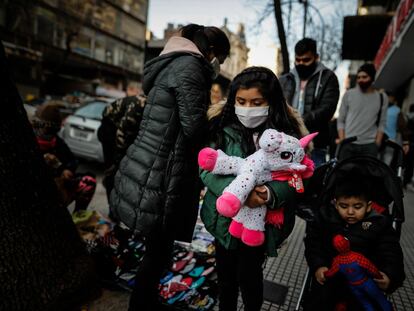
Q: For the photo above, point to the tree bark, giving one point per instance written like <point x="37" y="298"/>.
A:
<point x="282" y="35"/>
<point x="43" y="262"/>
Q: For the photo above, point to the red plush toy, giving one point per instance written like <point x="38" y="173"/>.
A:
<point x="358" y="271"/>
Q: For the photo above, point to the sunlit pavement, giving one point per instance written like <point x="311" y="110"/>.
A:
<point x="288" y="269"/>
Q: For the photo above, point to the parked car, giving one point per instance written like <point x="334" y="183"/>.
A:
<point x="80" y="130"/>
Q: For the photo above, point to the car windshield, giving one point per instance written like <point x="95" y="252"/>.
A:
<point x="91" y="111"/>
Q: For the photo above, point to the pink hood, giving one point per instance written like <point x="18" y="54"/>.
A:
<point x="180" y="44"/>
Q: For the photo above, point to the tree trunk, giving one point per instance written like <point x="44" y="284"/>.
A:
<point x="282" y="35"/>
<point x="43" y="262"/>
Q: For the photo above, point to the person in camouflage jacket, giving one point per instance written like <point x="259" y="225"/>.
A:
<point x="120" y="124"/>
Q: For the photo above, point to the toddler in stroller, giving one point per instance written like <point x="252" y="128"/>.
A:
<point x="355" y="201"/>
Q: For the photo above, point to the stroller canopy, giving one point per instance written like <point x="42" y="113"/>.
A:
<point x="386" y="185"/>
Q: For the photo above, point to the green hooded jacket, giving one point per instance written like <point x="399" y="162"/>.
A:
<point x="284" y="196"/>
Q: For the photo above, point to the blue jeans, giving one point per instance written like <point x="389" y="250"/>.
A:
<point x="318" y="156"/>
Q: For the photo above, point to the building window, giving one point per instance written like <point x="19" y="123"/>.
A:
<point x="82" y="44"/>
<point x="132" y="30"/>
<point x="110" y="46"/>
<point x="82" y="9"/>
<point x="131" y="58"/>
<point x="138" y="8"/>
<point x="60" y="38"/>
<point x="104" y="17"/>
<point x="116" y="53"/>
<point x="99" y="52"/>
<point x="45" y="25"/>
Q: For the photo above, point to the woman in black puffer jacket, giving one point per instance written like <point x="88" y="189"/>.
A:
<point x="156" y="188"/>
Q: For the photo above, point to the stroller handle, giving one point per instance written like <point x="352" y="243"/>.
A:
<point x="343" y="143"/>
<point x="398" y="155"/>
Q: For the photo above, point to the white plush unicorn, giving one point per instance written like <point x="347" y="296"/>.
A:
<point x="280" y="157"/>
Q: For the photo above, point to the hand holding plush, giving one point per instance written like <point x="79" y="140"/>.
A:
<point x="279" y="153"/>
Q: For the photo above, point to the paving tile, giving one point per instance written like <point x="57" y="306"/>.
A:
<point x="289" y="269"/>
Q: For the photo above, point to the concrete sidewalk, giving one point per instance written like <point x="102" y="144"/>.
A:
<point x="289" y="268"/>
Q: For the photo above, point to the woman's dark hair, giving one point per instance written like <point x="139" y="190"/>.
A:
<point x="279" y="117"/>
<point x="207" y="39"/>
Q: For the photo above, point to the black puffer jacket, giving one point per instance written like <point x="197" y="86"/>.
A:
<point x="374" y="237"/>
<point x="319" y="109"/>
<point x="157" y="183"/>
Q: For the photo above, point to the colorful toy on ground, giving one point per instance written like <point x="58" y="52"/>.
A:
<point x="280" y="157"/>
<point x="358" y="271"/>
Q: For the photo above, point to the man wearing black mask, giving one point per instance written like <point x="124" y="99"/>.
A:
<point x="363" y="114"/>
<point x="313" y="90"/>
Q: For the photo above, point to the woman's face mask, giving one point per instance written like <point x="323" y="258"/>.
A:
<point x="215" y="63"/>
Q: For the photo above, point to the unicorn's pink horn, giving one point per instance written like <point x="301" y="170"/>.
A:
<point x="304" y="141"/>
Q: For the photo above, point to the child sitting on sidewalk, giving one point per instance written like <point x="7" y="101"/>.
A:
<point x="369" y="232"/>
<point x="60" y="160"/>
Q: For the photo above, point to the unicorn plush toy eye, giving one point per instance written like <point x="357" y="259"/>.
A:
<point x="280" y="157"/>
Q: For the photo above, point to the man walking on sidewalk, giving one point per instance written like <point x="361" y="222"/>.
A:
<point x="313" y="90"/>
<point x="363" y="114"/>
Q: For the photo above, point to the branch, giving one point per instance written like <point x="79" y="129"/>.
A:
<point x="267" y="11"/>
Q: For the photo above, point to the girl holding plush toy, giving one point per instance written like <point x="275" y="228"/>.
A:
<point x="255" y="104"/>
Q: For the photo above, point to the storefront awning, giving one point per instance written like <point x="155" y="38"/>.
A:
<point x="395" y="58"/>
<point x="362" y="36"/>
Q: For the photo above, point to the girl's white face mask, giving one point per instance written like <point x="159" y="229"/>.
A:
<point x="252" y="117"/>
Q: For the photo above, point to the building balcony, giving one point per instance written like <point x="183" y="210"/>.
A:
<point x="394" y="59"/>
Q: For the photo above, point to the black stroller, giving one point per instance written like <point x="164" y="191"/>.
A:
<point x="387" y="181"/>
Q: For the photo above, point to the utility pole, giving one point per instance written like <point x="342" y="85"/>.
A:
<point x="305" y="15"/>
<point x="282" y="35"/>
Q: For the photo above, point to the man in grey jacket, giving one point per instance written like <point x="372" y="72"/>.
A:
<point x="313" y="90"/>
<point x="363" y="114"/>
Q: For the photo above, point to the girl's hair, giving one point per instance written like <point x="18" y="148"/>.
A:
<point x="207" y="39"/>
<point x="279" y="118"/>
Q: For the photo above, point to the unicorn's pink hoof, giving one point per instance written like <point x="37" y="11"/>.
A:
<point x="228" y="204"/>
<point x="207" y="158"/>
<point x="252" y="237"/>
<point x="236" y="229"/>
